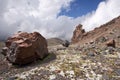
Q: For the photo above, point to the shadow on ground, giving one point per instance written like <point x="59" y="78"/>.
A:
<point x="6" y="67"/>
<point x="46" y="60"/>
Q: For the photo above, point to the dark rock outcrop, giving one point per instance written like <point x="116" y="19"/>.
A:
<point x="66" y="43"/>
<point x="110" y="43"/>
<point x="23" y="48"/>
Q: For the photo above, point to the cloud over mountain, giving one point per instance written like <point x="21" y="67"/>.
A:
<point x="43" y="16"/>
<point x="106" y="11"/>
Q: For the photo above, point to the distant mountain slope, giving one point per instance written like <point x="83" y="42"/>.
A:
<point x="110" y="30"/>
<point x="54" y="41"/>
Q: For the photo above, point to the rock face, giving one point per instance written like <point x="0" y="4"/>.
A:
<point x="23" y="48"/>
<point x="99" y="35"/>
<point x="77" y="34"/>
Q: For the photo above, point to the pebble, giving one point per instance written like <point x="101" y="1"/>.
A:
<point x="91" y="54"/>
<point x="118" y="72"/>
<point x="118" y="54"/>
<point x="52" y="77"/>
<point x="62" y="73"/>
<point x="12" y="78"/>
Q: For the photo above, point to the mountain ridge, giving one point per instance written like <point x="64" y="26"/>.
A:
<point x="110" y="30"/>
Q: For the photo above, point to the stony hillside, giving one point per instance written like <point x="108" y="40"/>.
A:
<point x="85" y="60"/>
<point x="110" y="30"/>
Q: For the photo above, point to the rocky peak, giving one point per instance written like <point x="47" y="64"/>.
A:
<point x="100" y="35"/>
<point x="78" y="33"/>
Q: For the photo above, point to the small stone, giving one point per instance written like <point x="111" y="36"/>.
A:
<point x="105" y="77"/>
<point x="53" y="68"/>
<point x="111" y="43"/>
<point x="52" y="77"/>
<point x="57" y="71"/>
<point x="118" y="36"/>
<point x="99" y="77"/>
<point x="71" y="73"/>
<point x="118" y="72"/>
<point x="104" y="52"/>
<point x="110" y="50"/>
<point x="117" y="63"/>
<point x="91" y="54"/>
<point x="62" y="73"/>
<point x="13" y="78"/>
<point x="66" y="43"/>
<point x="118" y="54"/>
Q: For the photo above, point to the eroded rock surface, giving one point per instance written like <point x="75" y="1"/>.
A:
<point x="23" y="48"/>
<point x="77" y="34"/>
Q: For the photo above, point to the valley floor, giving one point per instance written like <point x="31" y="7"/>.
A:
<point x="67" y="64"/>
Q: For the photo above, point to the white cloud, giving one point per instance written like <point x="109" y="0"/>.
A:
<point x="42" y="16"/>
<point x="106" y="11"/>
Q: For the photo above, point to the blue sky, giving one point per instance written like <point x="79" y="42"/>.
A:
<point x="81" y="7"/>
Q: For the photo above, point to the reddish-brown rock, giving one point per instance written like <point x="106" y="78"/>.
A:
<point x="23" y="48"/>
<point x="111" y="43"/>
<point x="77" y="34"/>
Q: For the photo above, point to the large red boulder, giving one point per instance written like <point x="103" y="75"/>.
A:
<point x="23" y="48"/>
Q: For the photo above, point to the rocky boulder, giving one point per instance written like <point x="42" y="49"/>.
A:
<point x="110" y="43"/>
<point x="77" y="34"/>
<point x="66" y="43"/>
<point x="23" y="48"/>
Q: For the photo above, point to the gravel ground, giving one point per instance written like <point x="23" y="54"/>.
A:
<point x="67" y="64"/>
